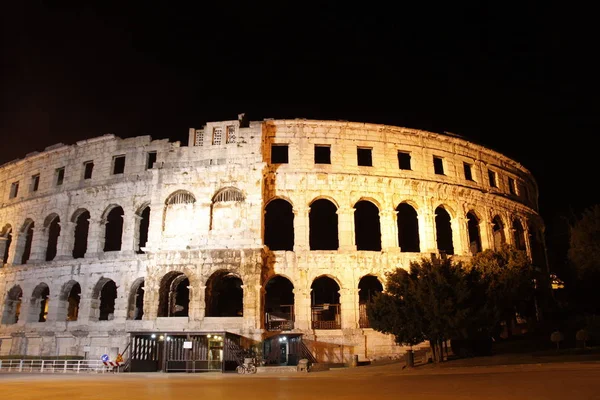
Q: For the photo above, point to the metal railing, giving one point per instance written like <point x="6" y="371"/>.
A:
<point x="54" y="366"/>
<point x="326" y="316"/>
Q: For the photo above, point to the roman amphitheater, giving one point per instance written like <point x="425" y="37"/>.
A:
<point x="275" y="232"/>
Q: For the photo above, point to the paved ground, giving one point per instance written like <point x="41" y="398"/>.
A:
<point x="557" y="380"/>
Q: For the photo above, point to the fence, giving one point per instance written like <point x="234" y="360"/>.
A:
<point x="54" y="366"/>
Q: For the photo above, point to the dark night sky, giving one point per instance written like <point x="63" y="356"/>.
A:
<point x="520" y="79"/>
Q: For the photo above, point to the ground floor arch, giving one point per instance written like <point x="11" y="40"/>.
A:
<point x="224" y="295"/>
<point x="174" y="295"/>
<point x="325" y="304"/>
<point x="279" y="304"/>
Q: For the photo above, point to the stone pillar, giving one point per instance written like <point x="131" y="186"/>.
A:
<point x="301" y="228"/>
<point x="487" y="237"/>
<point x="460" y="236"/>
<point x="95" y="242"/>
<point x="26" y="308"/>
<point x="389" y="230"/>
<point x="16" y="248"/>
<point x="302" y="313"/>
<point x="57" y="311"/>
<point x="66" y="241"/>
<point x="193" y="306"/>
<point x="200" y="303"/>
<point x="86" y="304"/>
<point x="3" y="243"/>
<point x="346" y="229"/>
<point x="151" y="299"/>
<point x="427" y="236"/>
<point x="127" y="237"/>
<point x="349" y="308"/>
<point x="251" y="306"/>
<point x="155" y="226"/>
<point x="39" y="244"/>
<point x="121" y="305"/>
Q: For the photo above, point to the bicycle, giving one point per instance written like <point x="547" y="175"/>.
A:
<point x="248" y="367"/>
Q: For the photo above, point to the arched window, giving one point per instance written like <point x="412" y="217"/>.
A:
<point x="443" y="230"/>
<point x="368" y="287"/>
<point x="323" y="225"/>
<point x="135" y="309"/>
<point x="279" y="225"/>
<point x="279" y="304"/>
<point x="52" y="225"/>
<point x="104" y="296"/>
<point x="12" y="305"/>
<point x="367" y="229"/>
<point x="325" y="304"/>
<point x="408" y="228"/>
<point x="224" y="295"/>
<point x="114" y="229"/>
<point x="5" y="242"/>
<point x="143" y="223"/>
<point x="519" y="234"/>
<point x="81" y="218"/>
<point x="474" y="234"/>
<point x="38" y="311"/>
<point x="180" y="197"/>
<point x="228" y="194"/>
<point x="174" y="295"/>
<point x="498" y="232"/>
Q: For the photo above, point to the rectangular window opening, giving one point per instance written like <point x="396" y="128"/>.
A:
<point x="512" y="186"/>
<point x="118" y="165"/>
<point x="217" y="135"/>
<point x="60" y="176"/>
<point x="468" y="171"/>
<point x="364" y="156"/>
<point x="438" y="165"/>
<point x="150" y="159"/>
<point x="230" y="134"/>
<point x="322" y="154"/>
<point x="14" y="190"/>
<point x="404" y="160"/>
<point x="35" y="183"/>
<point x="492" y="178"/>
<point x="279" y="154"/>
<point x="199" y="139"/>
<point x="88" y="168"/>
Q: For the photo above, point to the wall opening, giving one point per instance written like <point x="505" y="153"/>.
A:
<point x="443" y="230"/>
<point x="498" y="232"/>
<point x="12" y="306"/>
<point x="5" y="242"/>
<point x="135" y="309"/>
<point x="39" y="303"/>
<point x="142" y="231"/>
<point x="408" y="228"/>
<point x="104" y="296"/>
<point x="53" y="227"/>
<point x="323" y="225"/>
<point x="474" y="233"/>
<point x="174" y="295"/>
<point x="82" y="227"/>
<point x="73" y="290"/>
<point x="519" y="233"/>
<point x="325" y="304"/>
<point x="367" y="228"/>
<point x="224" y="295"/>
<point x="113" y="229"/>
<point x="28" y="229"/>
<point x="368" y="287"/>
<point x="279" y="304"/>
<point x="279" y="225"/>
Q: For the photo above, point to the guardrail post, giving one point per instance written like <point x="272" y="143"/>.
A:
<point x="65" y="369"/>
<point x="42" y="370"/>
<point x="20" y="365"/>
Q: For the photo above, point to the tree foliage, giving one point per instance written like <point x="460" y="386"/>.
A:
<point x="584" y="243"/>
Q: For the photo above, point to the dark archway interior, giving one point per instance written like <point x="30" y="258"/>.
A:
<point x="324" y="291"/>
<point x="408" y="229"/>
<point x="443" y="231"/>
<point x="73" y="302"/>
<point x="367" y="229"/>
<point x="498" y="232"/>
<point x="43" y="297"/>
<point x="474" y="235"/>
<point x="144" y="226"/>
<point x="519" y="235"/>
<point x="224" y="295"/>
<point x="114" y="230"/>
<point x="108" y="295"/>
<point x="368" y="287"/>
<point x="279" y="225"/>
<point x="174" y="295"/>
<point x="82" y="226"/>
<point x="8" y="236"/>
<point x="12" y="306"/>
<point x="138" y="312"/>
<point x="53" y="234"/>
<point x="279" y="292"/>
<point x="323" y="230"/>
<point x="28" y="241"/>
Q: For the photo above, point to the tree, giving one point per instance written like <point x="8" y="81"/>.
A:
<point x="430" y="302"/>
<point x="503" y="285"/>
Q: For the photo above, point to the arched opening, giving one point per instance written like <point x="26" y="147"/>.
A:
<point x="39" y="303"/>
<point x="82" y="227"/>
<point x="367" y="229"/>
<point x="325" y="304"/>
<point x="27" y="241"/>
<point x="104" y="296"/>
<point x="226" y="209"/>
<point x="224" y="295"/>
<point x="174" y="295"/>
<point x="135" y="308"/>
<point x="323" y="225"/>
<point x="474" y="234"/>
<point x="408" y="228"/>
<point x="498" y="232"/>
<point x="12" y="306"/>
<point x="368" y="287"/>
<point x="143" y="222"/>
<point x="519" y="234"/>
<point x="72" y="291"/>
<point x="443" y="230"/>
<point x="113" y="232"/>
<point x="279" y="304"/>
<point x="279" y="225"/>
<point x="5" y="242"/>
<point x="52" y="224"/>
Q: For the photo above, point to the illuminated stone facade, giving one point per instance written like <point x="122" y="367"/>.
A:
<point x="157" y="237"/>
